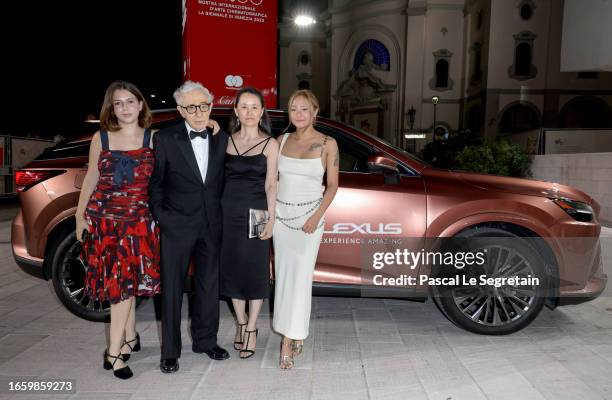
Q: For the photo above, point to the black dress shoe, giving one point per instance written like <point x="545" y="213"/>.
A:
<point x="169" y="365"/>
<point x="216" y="353"/>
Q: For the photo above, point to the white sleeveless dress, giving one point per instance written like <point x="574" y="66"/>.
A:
<point x="300" y="192"/>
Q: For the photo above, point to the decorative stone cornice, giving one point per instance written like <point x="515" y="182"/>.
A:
<point x="442" y="53"/>
<point x="367" y="15"/>
<point x="525" y="36"/>
<point x="355" y="4"/>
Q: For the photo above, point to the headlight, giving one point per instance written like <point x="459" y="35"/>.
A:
<point x="579" y="211"/>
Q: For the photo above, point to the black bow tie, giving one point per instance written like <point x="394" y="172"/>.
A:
<point x="194" y="134"/>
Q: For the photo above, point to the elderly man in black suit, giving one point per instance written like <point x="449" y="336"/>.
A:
<point x="185" y="191"/>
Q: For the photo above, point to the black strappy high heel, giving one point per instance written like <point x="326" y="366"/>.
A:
<point x="121" y="373"/>
<point x="238" y="344"/>
<point x="133" y="349"/>
<point x="249" y="353"/>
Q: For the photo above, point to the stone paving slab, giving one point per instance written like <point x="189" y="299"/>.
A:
<point x="358" y="349"/>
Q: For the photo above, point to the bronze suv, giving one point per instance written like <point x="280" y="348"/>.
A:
<point x="388" y="200"/>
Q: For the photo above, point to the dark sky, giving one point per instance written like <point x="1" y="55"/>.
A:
<point x="58" y="58"/>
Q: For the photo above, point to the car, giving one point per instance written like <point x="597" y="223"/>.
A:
<point x="388" y="202"/>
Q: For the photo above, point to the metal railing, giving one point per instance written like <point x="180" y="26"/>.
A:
<point x="15" y="152"/>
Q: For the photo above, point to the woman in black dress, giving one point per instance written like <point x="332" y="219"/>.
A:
<point x="250" y="183"/>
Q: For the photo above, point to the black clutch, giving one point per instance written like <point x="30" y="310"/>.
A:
<point x="257" y="222"/>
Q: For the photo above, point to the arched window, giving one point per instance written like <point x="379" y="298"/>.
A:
<point x="586" y="112"/>
<point x="441" y="80"/>
<point x="519" y="118"/>
<point x="523" y="67"/>
<point x="379" y="52"/>
<point x="304" y="58"/>
<point x="522" y="59"/>
<point x="442" y="73"/>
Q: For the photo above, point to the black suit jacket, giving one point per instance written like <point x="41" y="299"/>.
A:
<point x="179" y="200"/>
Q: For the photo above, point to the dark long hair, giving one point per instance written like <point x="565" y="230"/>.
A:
<point x="108" y="119"/>
<point x="264" y="123"/>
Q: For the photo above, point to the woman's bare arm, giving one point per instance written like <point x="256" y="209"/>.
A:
<point x="332" y="167"/>
<point x="89" y="183"/>
<point x="271" y="153"/>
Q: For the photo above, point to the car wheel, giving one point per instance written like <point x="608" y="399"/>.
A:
<point x="491" y="310"/>
<point x="68" y="278"/>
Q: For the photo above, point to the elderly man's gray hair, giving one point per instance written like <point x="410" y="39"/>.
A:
<point x="188" y="86"/>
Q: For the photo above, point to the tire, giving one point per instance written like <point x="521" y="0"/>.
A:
<point x="485" y="309"/>
<point x="68" y="277"/>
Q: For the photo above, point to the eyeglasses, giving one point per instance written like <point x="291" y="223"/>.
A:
<point x="192" y="108"/>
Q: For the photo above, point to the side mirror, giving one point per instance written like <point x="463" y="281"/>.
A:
<point x="380" y="163"/>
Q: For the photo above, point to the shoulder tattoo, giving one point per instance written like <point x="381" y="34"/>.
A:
<point x="315" y="146"/>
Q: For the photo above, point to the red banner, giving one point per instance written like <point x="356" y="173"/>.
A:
<point x="229" y="44"/>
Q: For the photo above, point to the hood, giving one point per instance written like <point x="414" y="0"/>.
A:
<point x="529" y="187"/>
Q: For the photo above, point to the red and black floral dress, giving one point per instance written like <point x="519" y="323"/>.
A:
<point x="122" y="249"/>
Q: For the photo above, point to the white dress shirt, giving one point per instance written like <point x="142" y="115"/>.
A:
<point x="200" y="149"/>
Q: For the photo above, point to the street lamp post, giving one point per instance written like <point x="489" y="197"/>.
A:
<point x="434" y="101"/>
<point x="411" y="113"/>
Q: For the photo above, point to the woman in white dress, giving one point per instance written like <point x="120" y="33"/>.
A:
<point x="304" y="157"/>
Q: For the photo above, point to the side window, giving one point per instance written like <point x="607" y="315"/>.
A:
<point x="278" y="125"/>
<point x="353" y="153"/>
<point x="223" y="121"/>
<point x="405" y="170"/>
<point x="68" y="148"/>
<point x="166" y="123"/>
<point x="65" y="150"/>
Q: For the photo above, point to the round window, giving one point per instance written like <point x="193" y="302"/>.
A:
<point x="526" y="12"/>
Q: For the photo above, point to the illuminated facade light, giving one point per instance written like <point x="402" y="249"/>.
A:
<point x="304" y="20"/>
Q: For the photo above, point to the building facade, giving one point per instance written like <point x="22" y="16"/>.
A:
<point x="494" y="65"/>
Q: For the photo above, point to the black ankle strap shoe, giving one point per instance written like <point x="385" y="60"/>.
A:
<point x="121" y="373"/>
<point x="133" y="348"/>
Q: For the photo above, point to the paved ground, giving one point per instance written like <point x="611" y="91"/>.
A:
<point x="359" y="349"/>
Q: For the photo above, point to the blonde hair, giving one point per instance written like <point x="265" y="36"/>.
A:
<point x="308" y="95"/>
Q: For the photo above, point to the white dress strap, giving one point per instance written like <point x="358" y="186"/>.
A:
<point x="285" y="136"/>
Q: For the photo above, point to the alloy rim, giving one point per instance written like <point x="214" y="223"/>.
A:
<point x="72" y="278"/>
<point x="497" y="306"/>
